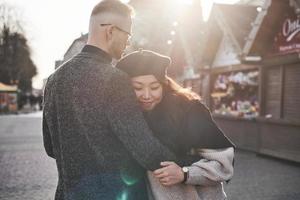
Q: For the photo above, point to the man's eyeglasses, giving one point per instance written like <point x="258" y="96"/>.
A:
<point x="116" y="28"/>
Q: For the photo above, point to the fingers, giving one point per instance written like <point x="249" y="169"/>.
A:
<point x="166" y="163"/>
<point x="164" y="180"/>
<point x="162" y="175"/>
<point x="167" y="181"/>
<point x="170" y="174"/>
<point x="167" y="184"/>
<point x="158" y="171"/>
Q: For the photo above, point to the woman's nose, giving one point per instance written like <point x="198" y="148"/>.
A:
<point x="146" y="94"/>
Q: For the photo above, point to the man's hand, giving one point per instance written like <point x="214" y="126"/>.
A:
<point x="169" y="174"/>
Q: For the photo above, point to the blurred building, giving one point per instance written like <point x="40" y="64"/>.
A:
<point x="74" y="48"/>
<point x="227" y="30"/>
<point x="252" y="75"/>
<point x="172" y="29"/>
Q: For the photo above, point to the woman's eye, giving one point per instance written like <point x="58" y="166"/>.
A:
<point x="138" y="89"/>
<point x="155" y="88"/>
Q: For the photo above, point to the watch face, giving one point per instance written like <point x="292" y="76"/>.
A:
<point x="185" y="169"/>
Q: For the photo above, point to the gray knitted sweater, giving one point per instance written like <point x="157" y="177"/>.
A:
<point x="92" y="125"/>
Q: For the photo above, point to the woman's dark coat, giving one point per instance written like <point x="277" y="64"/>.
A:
<point x="184" y="125"/>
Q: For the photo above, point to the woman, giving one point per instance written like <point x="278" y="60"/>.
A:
<point x="182" y="123"/>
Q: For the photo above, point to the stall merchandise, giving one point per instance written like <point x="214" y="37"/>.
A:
<point x="236" y="94"/>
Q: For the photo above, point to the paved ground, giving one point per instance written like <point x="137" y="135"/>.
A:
<point x="263" y="178"/>
<point x="26" y="173"/>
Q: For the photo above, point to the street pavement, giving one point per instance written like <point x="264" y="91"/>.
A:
<point x="26" y="173"/>
<point x="263" y="178"/>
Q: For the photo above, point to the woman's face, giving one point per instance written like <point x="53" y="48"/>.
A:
<point x="148" y="91"/>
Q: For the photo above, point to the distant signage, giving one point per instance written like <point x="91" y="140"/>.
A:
<point x="290" y="29"/>
<point x="288" y="39"/>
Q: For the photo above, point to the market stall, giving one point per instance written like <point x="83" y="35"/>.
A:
<point x="235" y="103"/>
<point x="8" y="98"/>
<point x="254" y="93"/>
<point x="236" y="94"/>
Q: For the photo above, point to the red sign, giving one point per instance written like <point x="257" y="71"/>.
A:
<point x="288" y="39"/>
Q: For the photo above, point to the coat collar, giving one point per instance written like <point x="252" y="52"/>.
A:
<point x="98" y="52"/>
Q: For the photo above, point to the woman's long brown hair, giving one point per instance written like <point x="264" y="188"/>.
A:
<point x="171" y="86"/>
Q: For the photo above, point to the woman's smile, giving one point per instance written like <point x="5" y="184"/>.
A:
<point x="146" y="104"/>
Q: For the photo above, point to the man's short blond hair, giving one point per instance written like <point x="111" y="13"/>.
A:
<point x="113" y="7"/>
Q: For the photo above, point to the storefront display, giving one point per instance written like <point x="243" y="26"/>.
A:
<point x="236" y="94"/>
<point x="263" y="86"/>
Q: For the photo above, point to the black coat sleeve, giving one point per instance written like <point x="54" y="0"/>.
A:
<point x="201" y="130"/>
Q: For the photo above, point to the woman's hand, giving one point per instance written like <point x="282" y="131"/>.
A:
<point x="169" y="174"/>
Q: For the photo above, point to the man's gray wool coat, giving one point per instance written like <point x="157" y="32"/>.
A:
<point x="94" y="129"/>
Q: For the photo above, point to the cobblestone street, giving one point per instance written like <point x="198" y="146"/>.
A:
<point x="26" y="173"/>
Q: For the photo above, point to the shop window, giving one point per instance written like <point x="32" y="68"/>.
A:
<point x="236" y="94"/>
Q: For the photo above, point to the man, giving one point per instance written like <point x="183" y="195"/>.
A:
<point x="92" y="125"/>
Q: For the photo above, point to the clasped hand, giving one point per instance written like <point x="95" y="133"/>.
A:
<point x="169" y="174"/>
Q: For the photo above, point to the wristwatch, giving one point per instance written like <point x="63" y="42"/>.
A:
<point x="185" y="171"/>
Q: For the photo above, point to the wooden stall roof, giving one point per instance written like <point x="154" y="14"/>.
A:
<point x="234" y="20"/>
<point x="266" y="27"/>
<point x="239" y="19"/>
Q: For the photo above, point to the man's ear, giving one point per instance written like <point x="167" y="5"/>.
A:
<point x="109" y="32"/>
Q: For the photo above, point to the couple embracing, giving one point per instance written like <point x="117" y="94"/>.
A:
<point x="129" y="132"/>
